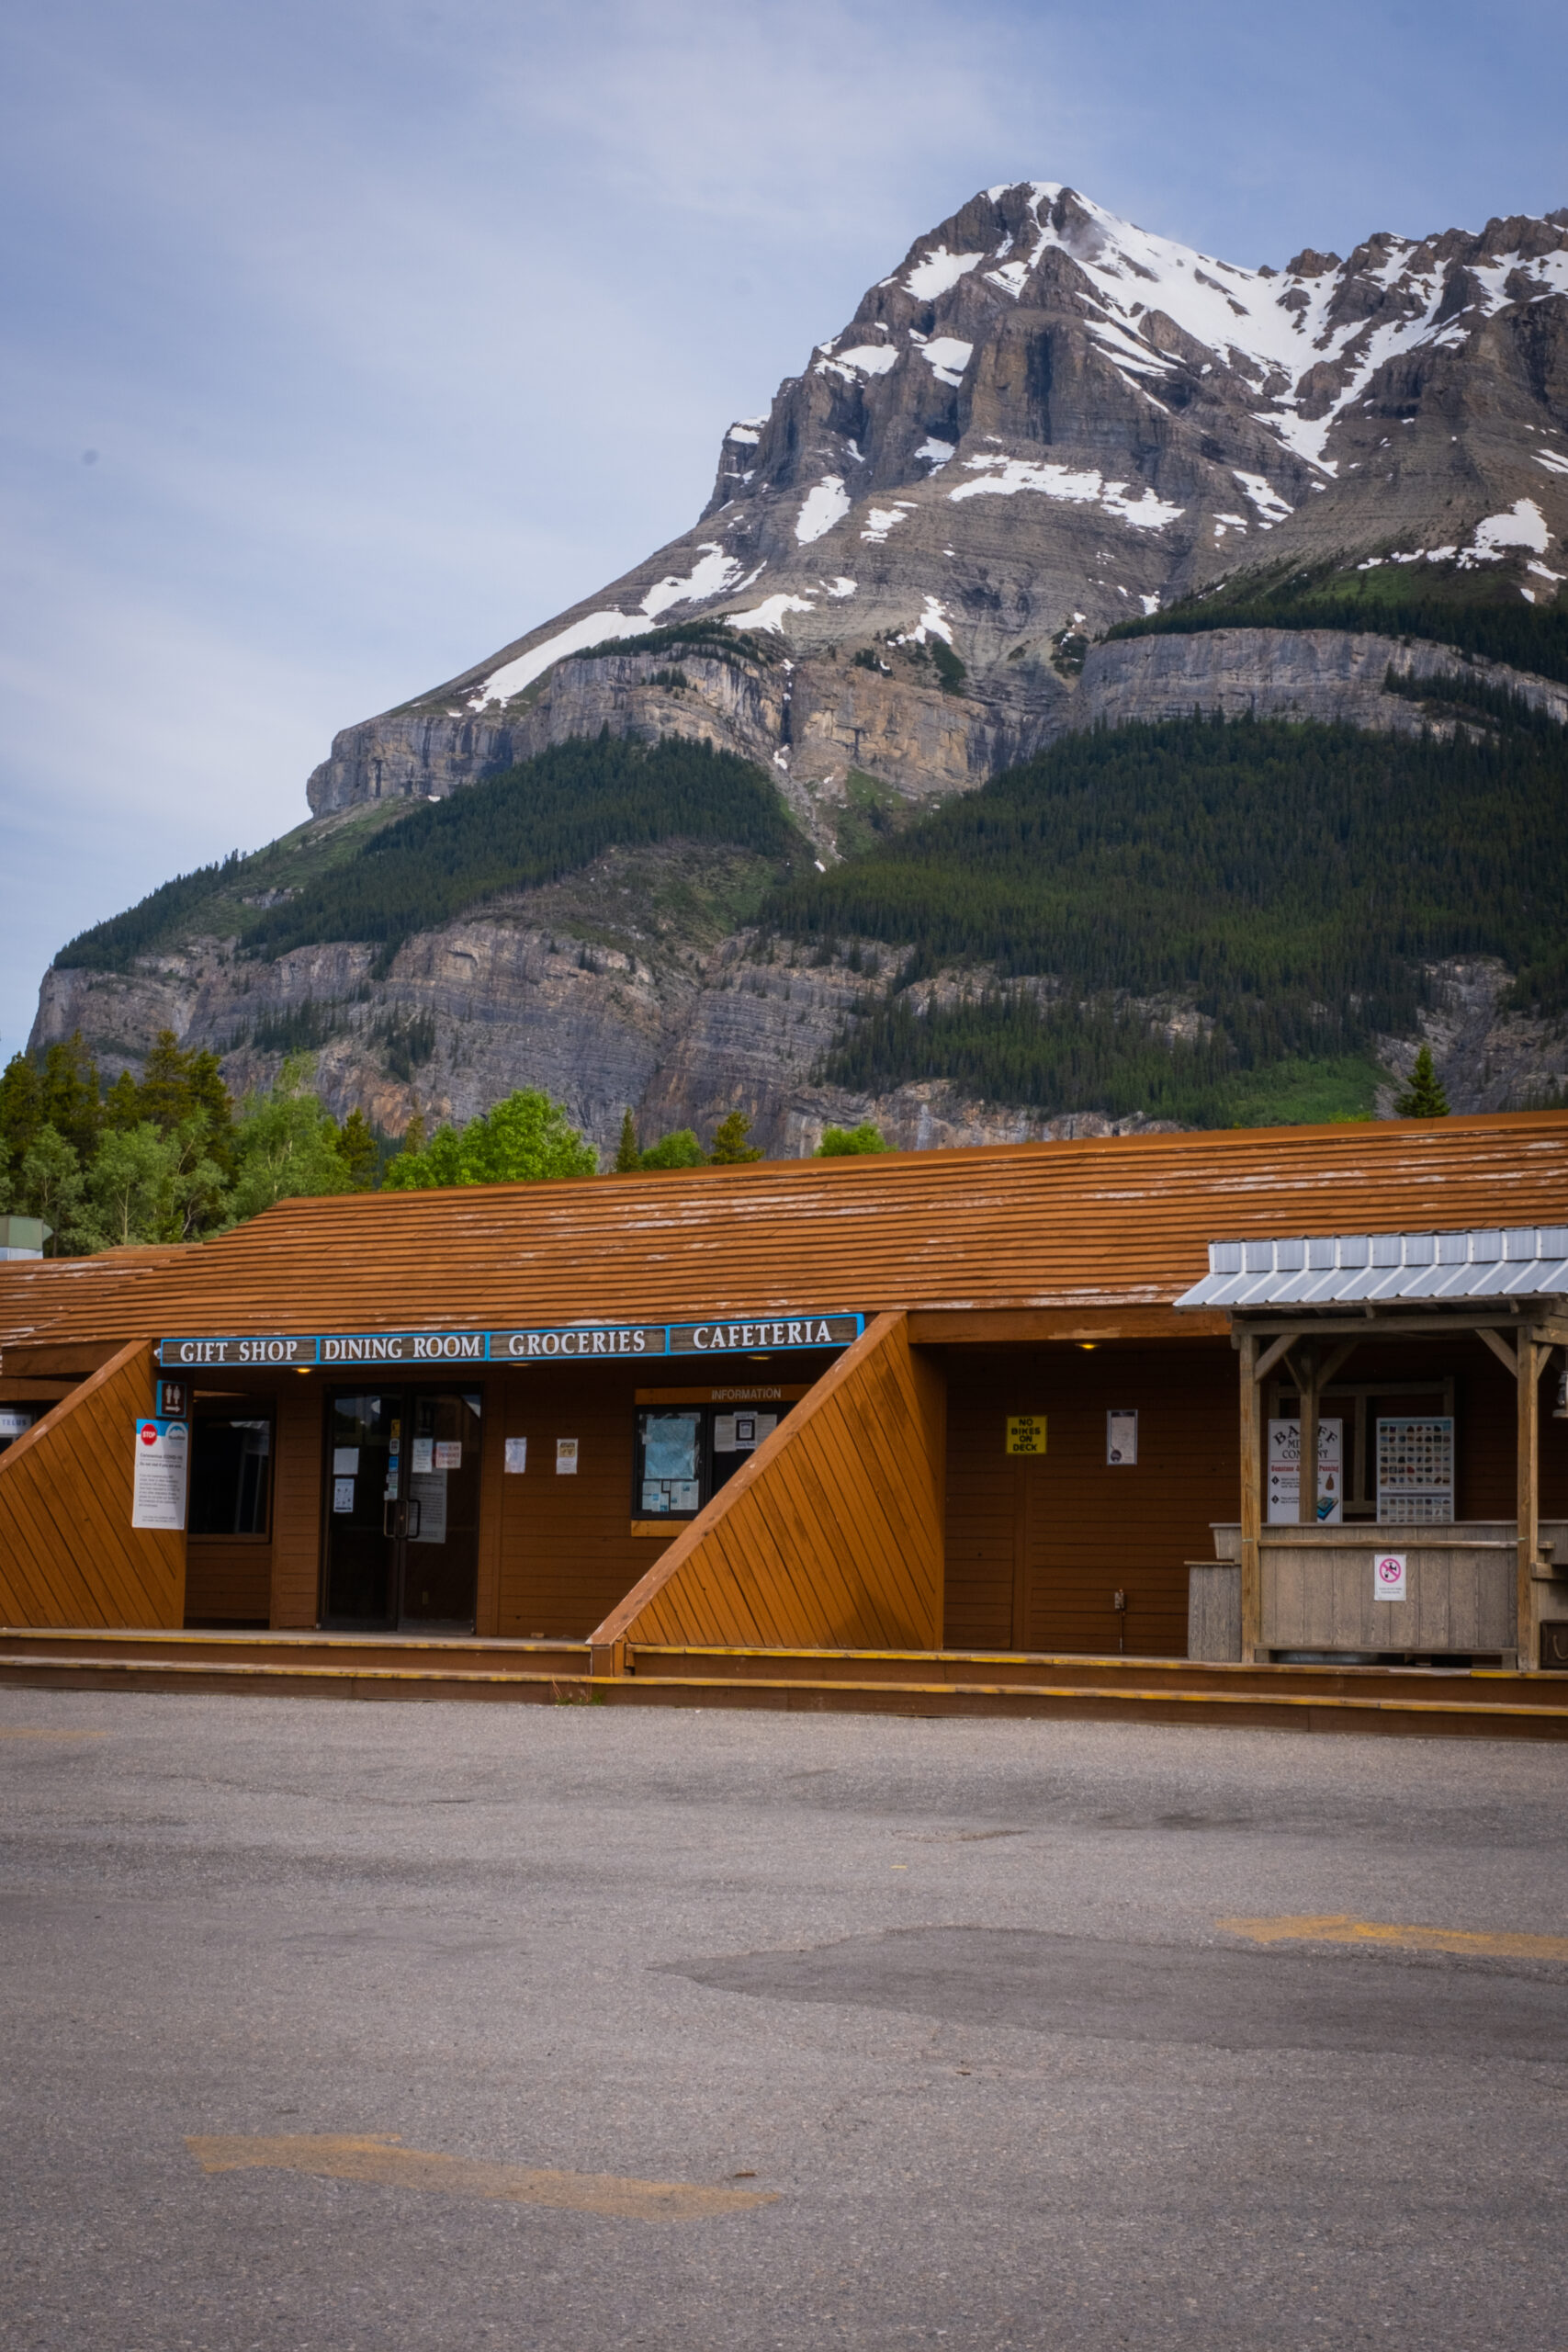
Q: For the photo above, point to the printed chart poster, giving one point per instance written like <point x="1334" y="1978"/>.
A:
<point x="516" y="1456"/>
<point x="158" y="1488"/>
<point x="1284" y="1473"/>
<point x="566" y="1457"/>
<point x="1415" y="1470"/>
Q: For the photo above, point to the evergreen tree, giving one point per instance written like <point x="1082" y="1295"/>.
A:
<point x="729" y="1147"/>
<point x="627" y="1157"/>
<point x="359" y="1152"/>
<point x="68" y="1094"/>
<point x="1424" y="1097"/>
<point x="20" y="1115"/>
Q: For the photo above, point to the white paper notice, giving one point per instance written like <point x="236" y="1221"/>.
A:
<point x="345" y="1462"/>
<point x="448" y="1453"/>
<point x="428" y="1502"/>
<point x="516" y="1454"/>
<point x="423" y="1455"/>
<point x="1388" y="1576"/>
<point x="343" y="1494"/>
<point x="566" y="1457"/>
<point x="158" y="1488"/>
<point x="1121" y="1437"/>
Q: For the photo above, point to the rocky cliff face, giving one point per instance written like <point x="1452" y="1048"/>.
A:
<point x="1045" y="420"/>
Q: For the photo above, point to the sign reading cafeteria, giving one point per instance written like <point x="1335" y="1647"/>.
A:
<point x="713" y="1337"/>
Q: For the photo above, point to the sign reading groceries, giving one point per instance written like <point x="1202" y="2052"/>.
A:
<point x="570" y="1344"/>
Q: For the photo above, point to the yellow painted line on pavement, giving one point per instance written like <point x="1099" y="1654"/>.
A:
<point x="43" y="1730"/>
<point x="1339" y="1927"/>
<point x="380" y="2157"/>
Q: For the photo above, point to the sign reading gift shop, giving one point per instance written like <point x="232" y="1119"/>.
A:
<point x="552" y="1344"/>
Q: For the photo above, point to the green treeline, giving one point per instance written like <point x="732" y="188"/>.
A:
<point x="531" y="824"/>
<point x="1287" y="880"/>
<point x="114" y="945"/>
<point x="1389" y="600"/>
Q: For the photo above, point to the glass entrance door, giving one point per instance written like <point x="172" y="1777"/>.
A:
<point x="402" y="1509"/>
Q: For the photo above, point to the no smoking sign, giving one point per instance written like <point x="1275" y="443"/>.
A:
<point x="1388" y="1576"/>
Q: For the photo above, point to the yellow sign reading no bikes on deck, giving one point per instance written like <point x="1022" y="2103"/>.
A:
<point x="1026" y="1432"/>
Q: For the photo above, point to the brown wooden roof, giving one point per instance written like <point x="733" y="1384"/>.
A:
<point x="1116" y="1220"/>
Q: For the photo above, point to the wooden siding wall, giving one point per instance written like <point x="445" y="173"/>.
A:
<point x="69" y="1555"/>
<point x="228" y="1580"/>
<point x="1036" y="1548"/>
<point x="297" y="1505"/>
<point x="830" y="1537"/>
<point x="565" y="1553"/>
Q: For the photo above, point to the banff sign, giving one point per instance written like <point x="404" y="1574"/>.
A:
<point x="557" y="1343"/>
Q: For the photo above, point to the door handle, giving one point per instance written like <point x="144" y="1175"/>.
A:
<point x="389" y="1515"/>
<point x="418" y="1509"/>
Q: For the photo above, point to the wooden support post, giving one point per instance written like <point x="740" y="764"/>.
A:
<point x="1251" y="1505"/>
<point x="1306" y="1358"/>
<point x="1528" y="1503"/>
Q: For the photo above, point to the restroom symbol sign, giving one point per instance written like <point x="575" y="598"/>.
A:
<point x="1388" y="1576"/>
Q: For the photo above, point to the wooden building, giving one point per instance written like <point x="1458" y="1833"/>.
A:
<point x="913" y="1403"/>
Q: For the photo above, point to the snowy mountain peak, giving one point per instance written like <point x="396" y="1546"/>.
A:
<point x="1047" y="419"/>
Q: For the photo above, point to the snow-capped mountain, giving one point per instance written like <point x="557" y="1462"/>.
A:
<point x="1044" y="420"/>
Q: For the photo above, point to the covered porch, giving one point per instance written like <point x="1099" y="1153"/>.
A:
<point x="1389" y="1546"/>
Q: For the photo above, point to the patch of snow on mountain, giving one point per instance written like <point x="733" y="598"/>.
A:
<point x="948" y="357"/>
<point x="710" y="576"/>
<point x="1005" y="476"/>
<point x="937" y="453"/>
<point x="712" y="573"/>
<point x="1523" y="526"/>
<point x="1550" y="459"/>
<point x="881" y="519"/>
<point x="501" y="685"/>
<point x="840" y="587"/>
<point x="770" y="613"/>
<point x="937" y="272"/>
<point x="867" y="359"/>
<point x="825" y="506"/>
<point x="1259" y="492"/>
<point x="747" y="432"/>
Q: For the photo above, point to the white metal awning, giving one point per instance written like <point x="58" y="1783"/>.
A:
<point x="1331" y="1270"/>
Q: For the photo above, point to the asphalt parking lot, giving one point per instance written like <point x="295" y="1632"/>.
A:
<point x="351" y="2025"/>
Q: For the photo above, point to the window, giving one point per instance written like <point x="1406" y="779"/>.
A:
<point x="230" y="1477"/>
<point x="686" y="1452"/>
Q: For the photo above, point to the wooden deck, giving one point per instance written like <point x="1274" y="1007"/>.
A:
<point x="1413" y="1701"/>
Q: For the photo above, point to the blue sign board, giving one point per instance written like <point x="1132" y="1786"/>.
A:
<point x="558" y="1343"/>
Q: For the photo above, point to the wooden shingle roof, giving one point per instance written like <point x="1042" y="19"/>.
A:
<point x="1116" y="1220"/>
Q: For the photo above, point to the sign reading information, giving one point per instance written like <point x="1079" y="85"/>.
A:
<point x="550" y="1344"/>
<point x="158" y="1485"/>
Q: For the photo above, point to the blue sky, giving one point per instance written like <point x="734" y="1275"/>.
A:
<point x="394" y="328"/>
